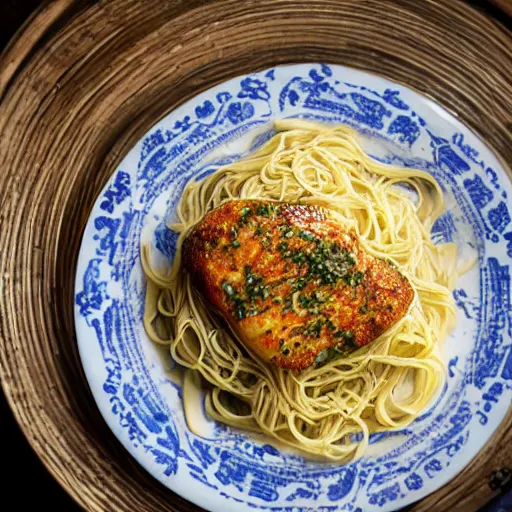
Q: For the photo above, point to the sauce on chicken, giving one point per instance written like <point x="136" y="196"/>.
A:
<point x="295" y="285"/>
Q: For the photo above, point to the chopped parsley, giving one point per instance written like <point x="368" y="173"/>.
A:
<point x="330" y="325"/>
<point x="254" y="286"/>
<point x="306" y="235"/>
<point x="327" y="262"/>
<point x="299" y="258"/>
<point x="347" y="340"/>
<point x="247" y="302"/>
<point x="327" y="355"/>
<point x="266" y="210"/>
<point x="312" y="301"/>
<point x="239" y="312"/>
<point x="345" y="335"/>
<point x="300" y="283"/>
<point x="322" y="357"/>
<point x="354" y="279"/>
<point x="314" y="328"/>
<point x="333" y="353"/>
<point x="228" y="289"/>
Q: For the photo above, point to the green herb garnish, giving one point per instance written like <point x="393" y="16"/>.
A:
<point x="345" y="335"/>
<point x="330" y="325"/>
<point x="230" y="291"/>
<point x="322" y="357"/>
<point x="300" y="283"/>
<point x="266" y="210"/>
<point x="305" y="235"/>
<point x="299" y="258"/>
<point x="314" y="329"/>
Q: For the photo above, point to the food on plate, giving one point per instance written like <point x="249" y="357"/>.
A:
<point x="306" y="295"/>
<point x="294" y="285"/>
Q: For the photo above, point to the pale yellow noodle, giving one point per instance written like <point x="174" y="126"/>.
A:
<point x="327" y="412"/>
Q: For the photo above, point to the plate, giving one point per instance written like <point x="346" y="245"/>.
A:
<point x="229" y="470"/>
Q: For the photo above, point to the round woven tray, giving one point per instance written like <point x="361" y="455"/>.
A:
<point x="82" y="81"/>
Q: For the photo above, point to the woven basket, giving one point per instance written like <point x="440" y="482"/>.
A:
<point x="82" y="81"/>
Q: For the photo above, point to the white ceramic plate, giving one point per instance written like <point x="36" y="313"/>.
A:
<point x="229" y="470"/>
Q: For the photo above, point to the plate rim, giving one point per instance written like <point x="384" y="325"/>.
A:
<point x="111" y="419"/>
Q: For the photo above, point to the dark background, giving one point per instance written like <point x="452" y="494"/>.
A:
<point x="25" y="481"/>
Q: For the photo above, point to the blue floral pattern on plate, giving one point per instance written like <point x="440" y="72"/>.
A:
<point x="230" y="470"/>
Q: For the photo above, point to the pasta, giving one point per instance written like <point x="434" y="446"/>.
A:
<point x="326" y="412"/>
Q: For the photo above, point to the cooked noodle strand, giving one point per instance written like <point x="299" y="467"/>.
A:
<point x="328" y="412"/>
